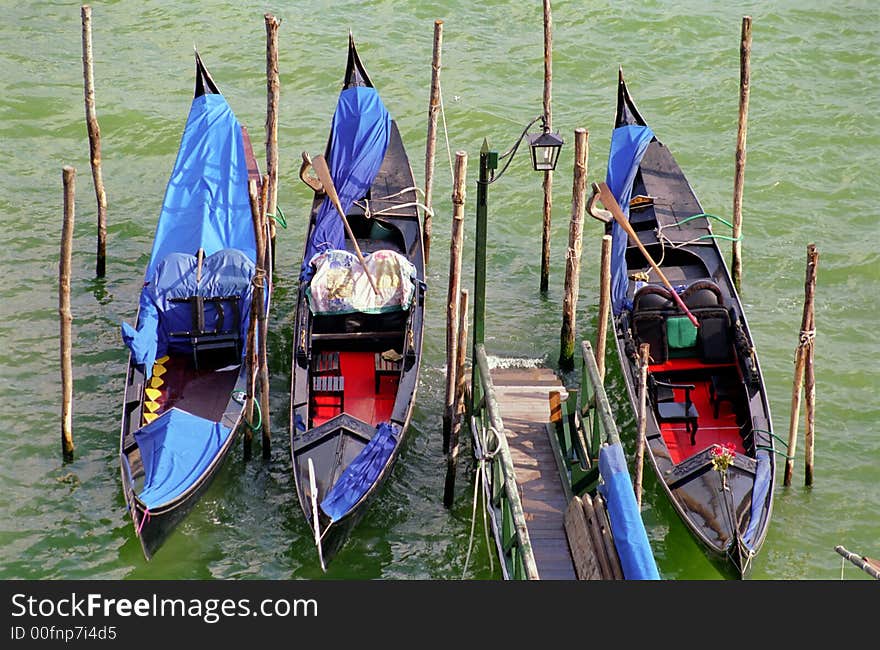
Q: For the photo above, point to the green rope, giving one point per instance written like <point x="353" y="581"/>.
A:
<point x="784" y="443"/>
<point x="259" y="413"/>
<point x="279" y="218"/>
<point x="724" y="237"/>
<point x="240" y="396"/>
<point x="708" y="216"/>
<point x="775" y="451"/>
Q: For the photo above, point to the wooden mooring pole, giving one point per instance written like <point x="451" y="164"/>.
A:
<point x="68" y="175"/>
<point x="259" y="306"/>
<point x="433" y="110"/>
<point x="452" y="296"/>
<point x="573" y="253"/>
<point x="548" y="175"/>
<point x="644" y="353"/>
<point x="803" y="359"/>
<point x="604" y="305"/>
<point x="94" y="140"/>
<point x="862" y="562"/>
<point x="273" y="91"/>
<point x="459" y="409"/>
<point x="252" y="362"/>
<point x="745" y="50"/>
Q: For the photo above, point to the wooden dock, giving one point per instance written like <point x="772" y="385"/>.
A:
<point x="523" y="401"/>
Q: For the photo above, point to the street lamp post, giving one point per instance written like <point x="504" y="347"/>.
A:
<point x="544" y="147"/>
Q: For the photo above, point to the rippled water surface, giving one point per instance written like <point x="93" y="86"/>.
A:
<point x="813" y="139"/>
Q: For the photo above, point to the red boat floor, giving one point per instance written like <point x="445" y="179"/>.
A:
<point x="722" y="430"/>
<point x="360" y="398"/>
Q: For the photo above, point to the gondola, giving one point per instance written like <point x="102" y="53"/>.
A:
<point x="187" y="374"/>
<point x="708" y="427"/>
<point x="359" y="317"/>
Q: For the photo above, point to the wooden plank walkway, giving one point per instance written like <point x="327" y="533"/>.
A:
<point x="523" y="399"/>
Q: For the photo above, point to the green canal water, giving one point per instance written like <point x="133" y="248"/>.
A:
<point x="814" y="136"/>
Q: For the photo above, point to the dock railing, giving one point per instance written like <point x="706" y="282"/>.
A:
<point x="583" y="423"/>
<point x="590" y="455"/>
<point x="495" y="471"/>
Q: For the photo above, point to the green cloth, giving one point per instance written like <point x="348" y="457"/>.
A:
<point x="680" y="332"/>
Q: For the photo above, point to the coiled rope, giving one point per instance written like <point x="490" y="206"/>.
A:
<point x="482" y="455"/>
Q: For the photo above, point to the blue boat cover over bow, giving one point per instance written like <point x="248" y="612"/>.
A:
<point x="359" y="138"/>
<point x="628" y="145"/>
<point x="361" y="473"/>
<point x="206" y="203"/>
<point x="206" y="206"/>
<point x="176" y="448"/>
<point x="627" y="527"/>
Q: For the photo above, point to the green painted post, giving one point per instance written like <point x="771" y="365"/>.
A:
<point x="488" y="160"/>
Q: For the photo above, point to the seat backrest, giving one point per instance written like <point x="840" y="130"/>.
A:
<point x="650" y="327"/>
<point x="702" y="293"/>
<point x="652" y="297"/>
<point x="714" y="339"/>
<point x="652" y="303"/>
<point x="218" y="301"/>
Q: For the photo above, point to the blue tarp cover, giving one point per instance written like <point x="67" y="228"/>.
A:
<point x="206" y="202"/>
<point x="628" y="145"/>
<point x="176" y="448"/>
<point x="206" y="206"/>
<point x="227" y="272"/>
<point x="359" y="138"/>
<point x="627" y="527"/>
<point x="759" y="496"/>
<point x="361" y="473"/>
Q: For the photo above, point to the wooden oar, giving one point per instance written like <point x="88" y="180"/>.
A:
<point x="323" y="172"/>
<point x="608" y="200"/>
<point x="313" y="488"/>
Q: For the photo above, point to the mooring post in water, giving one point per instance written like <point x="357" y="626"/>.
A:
<point x="68" y="175"/>
<point x="488" y="160"/>
<point x="94" y="140"/>
<point x="272" y="94"/>
<point x="459" y="409"/>
<point x="259" y="305"/>
<point x="251" y="361"/>
<point x="433" y="110"/>
<point x="452" y="296"/>
<point x="644" y="350"/>
<point x="745" y="50"/>
<point x="809" y="370"/>
<point x="548" y="175"/>
<point x="604" y="305"/>
<point x="803" y="356"/>
<point x="573" y="252"/>
<point x="864" y="563"/>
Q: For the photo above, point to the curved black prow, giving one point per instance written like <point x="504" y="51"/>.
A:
<point x="204" y="83"/>
<point x="355" y="74"/>
<point x="627" y="113"/>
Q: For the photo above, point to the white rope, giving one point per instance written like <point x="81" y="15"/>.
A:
<point x="481" y="481"/>
<point x="807" y="337"/>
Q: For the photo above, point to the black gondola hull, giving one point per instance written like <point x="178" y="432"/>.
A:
<point x="727" y="510"/>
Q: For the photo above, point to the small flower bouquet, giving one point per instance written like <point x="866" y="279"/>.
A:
<point x="722" y="456"/>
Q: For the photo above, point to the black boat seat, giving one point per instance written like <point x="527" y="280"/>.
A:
<point x="714" y="339"/>
<point x="702" y="293"/>
<point x="673" y="411"/>
<point x="722" y="388"/>
<point x="220" y="345"/>
<point x="650" y="327"/>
